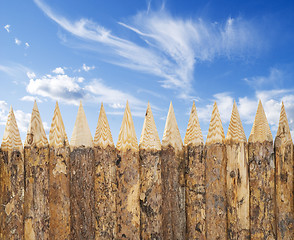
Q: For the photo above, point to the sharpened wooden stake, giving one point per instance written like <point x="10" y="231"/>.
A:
<point x="195" y="179"/>
<point x="284" y="179"/>
<point x="150" y="175"/>
<point x="105" y="180"/>
<point x="237" y="179"/>
<point x="82" y="196"/>
<point x="262" y="179"/>
<point x="128" y="180"/>
<point x="59" y="175"/>
<point x="173" y="180"/>
<point x="216" y="164"/>
<point x="36" y="165"/>
<point x="11" y="182"/>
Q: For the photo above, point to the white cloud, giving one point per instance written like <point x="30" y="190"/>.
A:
<point x="27" y="45"/>
<point x="87" y="68"/>
<point x="170" y="46"/>
<point x="71" y="90"/>
<point x="31" y="75"/>
<point x="17" y="41"/>
<point x="7" y="28"/>
<point x="30" y="99"/>
<point x="59" y="87"/>
<point x="58" y="70"/>
<point x="23" y="120"/>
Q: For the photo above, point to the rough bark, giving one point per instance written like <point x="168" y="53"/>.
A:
<point x="284" y="189"/>
<point x="216" y="205"/>
<point x="105" y="192"/>
<point x="237" y="191"/>
<point x="128" y="204"/>
<point x="36" y="196"/>
<point x="59" y="193"/>
<point x="173" y="188"/>
<point x="195" y="192"/>
<point x="262" y="190"/>
<point x="82" y="201"/>
<point x="150" y="194"/>
<point x="11" y="195"/>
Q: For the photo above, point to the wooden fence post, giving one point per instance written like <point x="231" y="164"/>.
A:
<point x="284" y="179"/>
<point x="11" y="182"/>
<point x="261" y="179"/>
<point x="173" y="180"/>
<point x="105" y="180"/>
<point x="216" y="165"/>
<point x="59" y="179"/>
<point x="150" y="175"/>
<point x="237" y="179"/>
<point x="36" y="165"/>
<point x="195" y="179"/>
<point x="128" y="180"/>
<point x="82" y="197"/>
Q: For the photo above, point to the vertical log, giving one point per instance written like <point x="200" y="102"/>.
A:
<point x="36" y="196"/>
<point x="173" y="181"/>
<point x="237" y="179"/>
<point x="128" y="180"/>
<point x="216" y="205"/>
<point x="150" y="175"/>
<point x="261" y="179"/>
<point x="59" y="175"/>
<point x="195" y="179"/>
<point x="82" y="199"/>
<point x="284" y="179"/>
<point x="105" y="180"/>
<point x="11" y="182"/>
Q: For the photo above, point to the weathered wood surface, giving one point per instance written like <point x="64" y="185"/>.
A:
<point x="105" y="180"/>
<point x="194" y="179"/>
<point x="59" y="176"/>
<point x="82" y="170"/>
<point x="36" y="165"/>
<point x="173" y="180"/>
<point x="150" y="176"/>
<point x="237" y="179"/>
<point x="262" y="179"/>
<point x="11" y="182"/>
<point x="284" y="179"/>
<point x="216" y="164"/>
<point x="128" y="180"/>
<point x="82" y="197"/>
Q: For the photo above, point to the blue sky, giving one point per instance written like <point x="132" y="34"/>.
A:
<point x="140" y="51"/>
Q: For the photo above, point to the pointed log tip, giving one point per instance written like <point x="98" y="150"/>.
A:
<point x="260" y="130"/>
<point x="215" y="132"/>
<point x="81" y="135"/>
<point x="57" y="135"/>
<point x="171" y="135"/>
<point x="193" y="134"/>
<point x="127" y="136"/>
<point x="284" y="129"/>
<point x="11" y="137"/>
<point x="236" y="132"/>
<point x="36" y="135"/>
<point x="149" y="138"/>
<point x="103" y="137"/>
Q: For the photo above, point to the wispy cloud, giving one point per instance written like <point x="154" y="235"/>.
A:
<point x="15" y="70"/>
<point x="17" y="41"/>
<point x="169" y="47"/>
<point x="274" y="79"/>
<point x="87" y="68"/>
<point x="7" y="28"/>
<point x="30" y="99"/>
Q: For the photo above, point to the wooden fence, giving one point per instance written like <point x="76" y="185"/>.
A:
<point x="227" y="188"/>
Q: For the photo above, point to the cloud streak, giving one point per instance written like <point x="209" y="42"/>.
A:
<point x="168" y="47"/>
